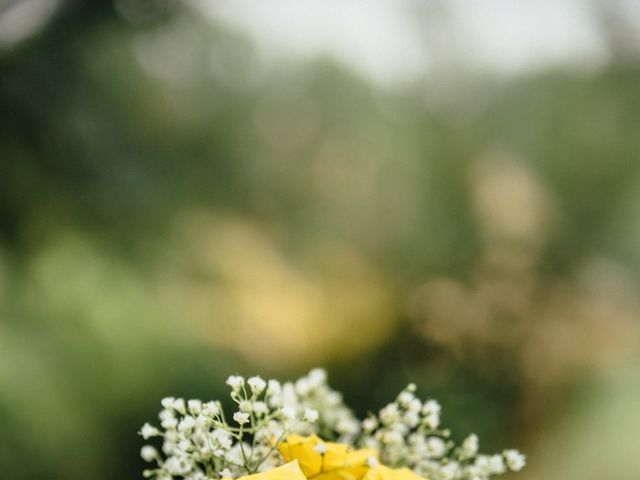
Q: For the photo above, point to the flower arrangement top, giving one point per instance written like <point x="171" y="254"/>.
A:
<point x="303" y="431"/>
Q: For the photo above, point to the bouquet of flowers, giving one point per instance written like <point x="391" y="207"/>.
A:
<point x="303" y="431"/>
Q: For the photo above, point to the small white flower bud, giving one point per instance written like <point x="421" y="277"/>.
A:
<point x="320" y="448"/>
<point x="288" y="412"/>
<point x="194" y="406"/>
<point x="148" y="453"/>
<point x="369" y="424"/>
<point x="211" y="408"/>
<point x="347" y="426"/>
<point x="405" y="398"/>
<point x="202" y="421"/>
<point x="470" y="446"/>
<point x="260" y="408"/>
<point x="317" y="377"/>
<point x="241" y="417"/>
<point x="235" y="382"/>
<point x="257" y="385"/>
<point x="449" y="471"/>
<point x="179" y="405"/>
<point x="389" y="414"/>
<point x="430" y="407"/>
<point x="303" y="386"/>
<point x="222" y="438"/>
<point x="169" y="423"/>
<point x="435" y="447"/>
<point x="391" y="437"/>
<point x="432" y="420"/>
<point x="496" y="465"/>
<point x="274" y="387"/>
<point x="311" y="415"/>
<point x="414" y="406"/>
<point x="187" y="423"/>
<point x="515" y="460"/>
<point x="147" y="431"/>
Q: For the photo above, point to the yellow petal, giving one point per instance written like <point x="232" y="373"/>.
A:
<point x="330" y="461"/>
<point x="288" y="471"/>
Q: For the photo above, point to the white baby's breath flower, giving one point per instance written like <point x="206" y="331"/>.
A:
<point x="257" y="385"/>
<point x="235" y="382"/>
<point x="333" y="398"/>
<point x="166" y="413"/>
<point x="431" y="420"/>
<point x="211" y="408"/>
<point x="260" y="408"/>
<point x="389" y="414"/>
<point x="222" y="438"/>
<point x="470" y="446"/>
<point x="202" y="421"/>
<point x="317" y="377"/>
<point x="167" y="402"/>
<point x="415" y="406"/>
<point x="411" y="419"/>
<point x="405" y="398"/>
<point x="391" y="436"/>
<point x="225" y="473"/>
<point x="273" y="387"/>
<point x="320" y="448"/>
<point x="369" y="424"/>
<point x="194" y="406"/>
<point x="435" y="447"/>
<point x="347" y="426"/>
<point x="234" y="454"/>
<point x="311" y="415"/>
<point x="430" y="407"/>
<point x="184" y="445"/>
<point x="496" y="465"/>
<point x="178" y="465"/>
<point x="187" y="423"/>
<point x="179" y="405"/>
<point x="148" y="453"/>
<point x="449" y="471"/>
<point x="288" y="412"/>
<point x="147" y="431"/>
<point x="241" y="417"/>
<point x="303" y="386"/>
<point x="169" y="423"/>
<point x="515" y="460"/>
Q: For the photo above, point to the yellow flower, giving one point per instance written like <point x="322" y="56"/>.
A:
<point x="321" y="460"/>
<point x="288" y="471"/>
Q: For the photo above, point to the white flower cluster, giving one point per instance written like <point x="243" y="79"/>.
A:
<point x="407" y="433"/>
<point x="199" y="442"/>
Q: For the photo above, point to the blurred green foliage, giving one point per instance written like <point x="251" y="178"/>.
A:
<point x="158" y="186"/>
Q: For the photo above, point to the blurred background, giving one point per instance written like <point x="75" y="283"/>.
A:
<point x="445" y="192"/>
